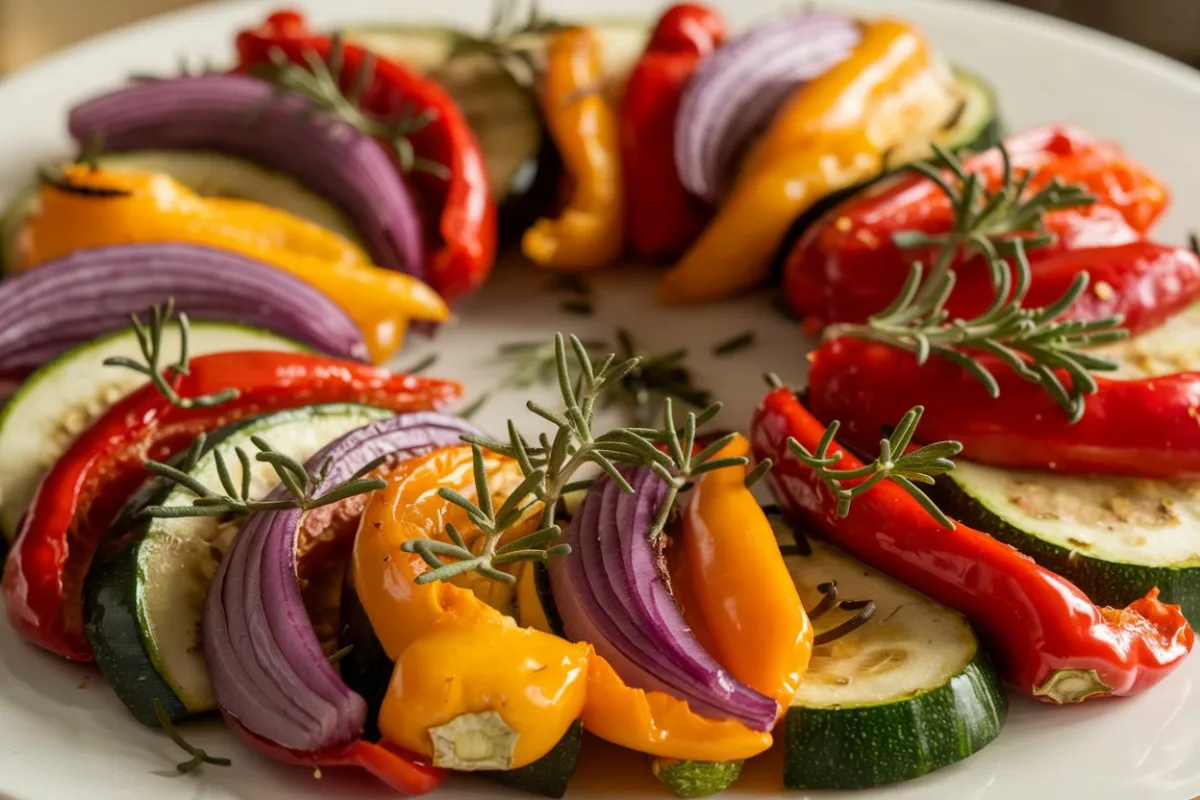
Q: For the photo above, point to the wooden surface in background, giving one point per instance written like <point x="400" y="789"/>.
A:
<point x="30" y="29"/>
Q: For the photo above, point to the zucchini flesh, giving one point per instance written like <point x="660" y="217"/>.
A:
<point x="145" y="598"/>
<point x="1114" y="537"/>
<point x="974" y="127"/>
<point x="57" y="402"/>
<point x="206" y="173"/>
<point x="907" y="693"/>
<point x="1173" y="346"/>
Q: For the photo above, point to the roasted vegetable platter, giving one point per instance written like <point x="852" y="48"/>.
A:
<point x="594" y="400"/>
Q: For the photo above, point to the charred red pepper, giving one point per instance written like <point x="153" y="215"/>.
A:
<point x="467" y="223"/>
<point x="1048" y="639"/>
<point x="400" y="770"/>
<point x="847" y="267"/>
<point x="662" y="217"/>
<point x="1148" y="427"/>
<point x="82" y="494"/>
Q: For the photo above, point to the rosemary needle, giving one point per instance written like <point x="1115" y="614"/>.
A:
<point x="734" y="344"/>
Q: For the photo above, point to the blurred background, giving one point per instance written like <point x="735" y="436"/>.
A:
<point x="30" y="29"/>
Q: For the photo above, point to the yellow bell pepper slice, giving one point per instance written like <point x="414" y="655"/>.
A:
<point x="590" y="231"/>
<point x="748" y="600"/>
<point x="834" y="132"/>
<point x="153" y="208"/>
<point x="464" y="671"/>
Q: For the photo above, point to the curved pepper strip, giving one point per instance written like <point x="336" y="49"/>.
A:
<point x="1145" y="427"/>
<point x="749" y="601"/>
<point x="661" y="216"/>
<point x="834" y="132"/>
<point x="467" y="213"/>
<point x="589" y="231"/>
<point x="401" y="771"/>
<point x="1047" y="638"/>
<point x="440" y="631"/>
<point x="95" y="208"/>
<point x="86" y="488"/>
<point x="847" y="267"/>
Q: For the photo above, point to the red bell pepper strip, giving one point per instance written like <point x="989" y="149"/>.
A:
<point x="397" y="768"/>
<point x="85" y="490"/>
<point x="662" y="217"/>
<point x="846" y="266"/>
<point x="1047" y="638"/>
<point x="467" y="211"/>
<point x="1146" y="427"/>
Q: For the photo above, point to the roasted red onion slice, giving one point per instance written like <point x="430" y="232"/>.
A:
<point x="610" y="592"/>
<point x="268" y="669"/>
<point x="736" y="91"/>
<point x="244" y="116"/>
<point x="48" y="310"/>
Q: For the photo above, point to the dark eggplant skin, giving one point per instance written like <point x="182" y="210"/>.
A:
<point x="533" y="192"/>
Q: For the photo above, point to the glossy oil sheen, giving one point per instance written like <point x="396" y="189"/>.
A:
<point x="56" y="738"/>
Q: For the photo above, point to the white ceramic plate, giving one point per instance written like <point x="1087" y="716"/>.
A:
<point x="64" y="734"/>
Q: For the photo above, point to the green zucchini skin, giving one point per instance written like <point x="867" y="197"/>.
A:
<point x="550" y="774"/>
<point x="829" y="748"/>
<point x="1105" y="582"/>
<point x="695" y="778"/>
<point x="113" y="590"/>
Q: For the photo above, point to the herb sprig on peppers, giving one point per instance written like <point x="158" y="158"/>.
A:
<point x="550" y="465"/>
<point x="1036" y="343"/>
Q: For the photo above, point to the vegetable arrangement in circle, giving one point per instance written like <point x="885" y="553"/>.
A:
<point x="208" y="489"/>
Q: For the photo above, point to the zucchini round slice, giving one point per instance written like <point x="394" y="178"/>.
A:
<point x="522" y="164"/>
<point x="57" y="402"/>
<point x="905" y="694"/>
<point x="206" y="173"/>
<point x="1116" y="538"/>
<point x="143" y="600"/>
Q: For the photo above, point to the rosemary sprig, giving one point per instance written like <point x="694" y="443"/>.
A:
<point x="150" y="335"/>
<point x="199" y="756"/>
<point x="985" y="221"/>
<point x="1033" y="342"/>
<point x="905" y="469"/>
<point x="502" y="41"/>
<point x="237" y="498"/>
<point x="320" y="81"/>
<point x="550" y="467"/>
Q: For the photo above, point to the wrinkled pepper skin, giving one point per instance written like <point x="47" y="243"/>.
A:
<point x="441" y="633"/>
<point x="833" y="133"/>
<point x="1048" y="639"/>
<point x="400" y="771"/>
<point x="589" y="232"/>
<point x="83" y="492"/>
<point x="1145" y="427"/>
<point x="466" y="211"/>
<point x="846" y="266"/>
<point x="662" y="218"/>
<point x="448" y="644"/>
<point x="152" y="208"/>
<point x="748" y="599"/>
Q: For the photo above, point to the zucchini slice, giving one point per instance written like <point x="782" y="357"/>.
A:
<point x="1116" y="538"/>
<point x="206" y="173"/>
<point x="58" y="401"/>
<point x="144" y="599"/>
<point x="975" y="126"/>
<point x="521" y="162"/>
<point x="1173" y="346"/>
<point x="905" y="694"/>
